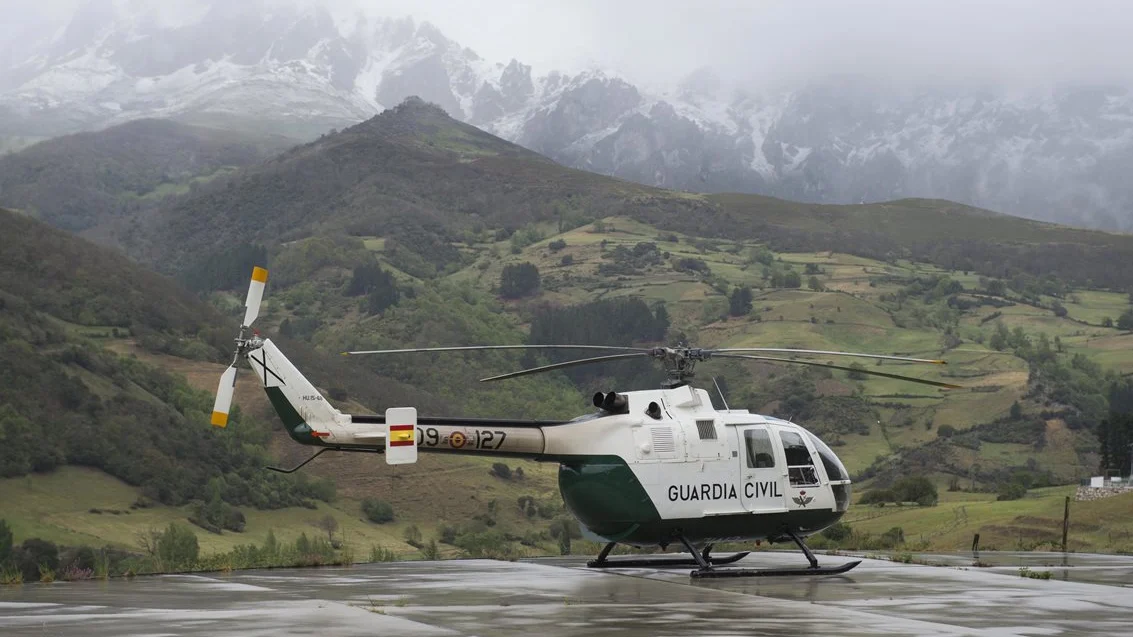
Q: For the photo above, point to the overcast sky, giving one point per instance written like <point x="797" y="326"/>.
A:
<point x="751" y="41"/>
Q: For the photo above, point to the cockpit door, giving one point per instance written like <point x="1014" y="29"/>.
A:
<point x="762" y="468"/>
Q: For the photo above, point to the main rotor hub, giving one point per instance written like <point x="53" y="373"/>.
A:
<point x="679" y="362"/>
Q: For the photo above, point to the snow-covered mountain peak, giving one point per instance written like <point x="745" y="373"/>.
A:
<point x="299" y="67"/>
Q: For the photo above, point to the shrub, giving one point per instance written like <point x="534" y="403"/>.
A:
<point x="893" y="537"/>
<point x="877" y="496"/>
<point x="1011" y="491"/>
<point x="837" y="532"/>
<point x="500" y="470"/>
<point x="568" y="259"/>
<point x="378" y="553"/>
<point x="412" y="536"/>
<point x="556" y="245"/>
<point x="915" y="489"/>
<point x="377" y="511"/>
<point x="177" y="547"/>
<point x="36" y="555"/>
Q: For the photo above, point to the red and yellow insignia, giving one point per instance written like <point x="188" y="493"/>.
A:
<point x="457" y="440"/>
<point x="401" y="435"/>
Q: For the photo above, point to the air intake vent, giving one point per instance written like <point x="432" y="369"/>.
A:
<point x="663" y="440"/>
<point x="707" y="429"/>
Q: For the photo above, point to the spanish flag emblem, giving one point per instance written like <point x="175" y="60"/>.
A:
<point x="401" y="435"/>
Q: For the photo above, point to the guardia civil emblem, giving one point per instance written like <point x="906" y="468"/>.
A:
<point x="802" y="499"/>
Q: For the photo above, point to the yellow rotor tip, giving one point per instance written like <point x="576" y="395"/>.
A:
<point x="219" y="419"/>
<point x="259" y="274"/>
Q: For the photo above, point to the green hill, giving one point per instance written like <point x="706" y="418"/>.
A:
<point x="83" y="181"/>
<point x="423" y="181"/>
<point x="398" y="232"/>
<point x="105" y="365"/>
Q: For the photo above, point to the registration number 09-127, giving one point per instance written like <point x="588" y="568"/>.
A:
<point x="487" y="439"/>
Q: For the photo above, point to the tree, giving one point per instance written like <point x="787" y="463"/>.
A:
<point x="556" y="245"/>
<point x="1125" y="321"/>
<point x="328" y="523"/>
<point x="36" y="555"/>
<point x="5" y="542"/>
<point x="857" y="372"/>
<point x="1016" y="410"/>
<point x="1107" y="322"/>
<point x="814" y="284"/>
<point x="792" y="280"/>
<point x="812" y="268"/>
<point x="377" y="511"/>
<point x="1058" y="309"/>
<point x="739" y="303"/>
<point x="519" y="280"/>
<point x="177" y="547"/>
<point x="1115" y="434"/>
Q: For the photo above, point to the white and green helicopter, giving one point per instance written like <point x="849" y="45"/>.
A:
<point x="646" y="468"/>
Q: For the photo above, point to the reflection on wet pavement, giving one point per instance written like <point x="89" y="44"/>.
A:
<point x="1088" y="595"/>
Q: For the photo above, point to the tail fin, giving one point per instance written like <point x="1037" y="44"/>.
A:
<point x="306" y="414"/>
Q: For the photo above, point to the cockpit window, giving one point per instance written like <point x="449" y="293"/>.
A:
<point x="800" y="468"/>
<point x="760" y="455"/>
<point x="835" y="471"/>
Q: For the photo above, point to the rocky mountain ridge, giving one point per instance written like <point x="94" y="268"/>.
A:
<point x="1051" y="154"/>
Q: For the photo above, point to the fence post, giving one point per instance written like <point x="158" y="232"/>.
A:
<point x="1065" y="523"/>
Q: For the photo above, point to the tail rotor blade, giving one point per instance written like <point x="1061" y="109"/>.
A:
<point x="224" y="392"/>
<point x="255" y="295"/>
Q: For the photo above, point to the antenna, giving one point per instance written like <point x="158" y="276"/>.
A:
<point x="719" y="391"/>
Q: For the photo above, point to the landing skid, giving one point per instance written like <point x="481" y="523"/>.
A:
<point x="773" y="572"/>
<point x="664" y="562"/>
<point x="706" y="563"/>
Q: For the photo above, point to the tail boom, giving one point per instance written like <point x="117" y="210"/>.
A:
<point x="310" y="419"/>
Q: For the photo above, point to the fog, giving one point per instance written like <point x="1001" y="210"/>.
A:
<point x="748" y="42"/>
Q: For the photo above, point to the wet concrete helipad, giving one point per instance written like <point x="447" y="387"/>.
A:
<point x="1089" y="595"/>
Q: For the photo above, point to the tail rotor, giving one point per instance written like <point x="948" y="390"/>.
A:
<point x="244" y="343"/>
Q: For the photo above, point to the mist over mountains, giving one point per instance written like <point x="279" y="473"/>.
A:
<point x="1056" y="154"/>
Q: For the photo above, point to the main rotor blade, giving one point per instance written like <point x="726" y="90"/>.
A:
<point x="581" y="361"/>
<point x="470" y="348"/>
<point x="224" y="391"/>
<point x="863" y="370"/>
<point x="255" y="295"/>
<point x="781" y="350"/>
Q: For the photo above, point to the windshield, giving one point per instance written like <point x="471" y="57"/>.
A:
<point x="834" y="469"/>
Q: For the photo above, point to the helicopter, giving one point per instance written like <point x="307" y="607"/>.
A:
<point x="646" y="468"/>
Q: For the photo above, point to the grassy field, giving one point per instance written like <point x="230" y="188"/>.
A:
<point x="75" y="505"/>
<point x="1031" y="523"/>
